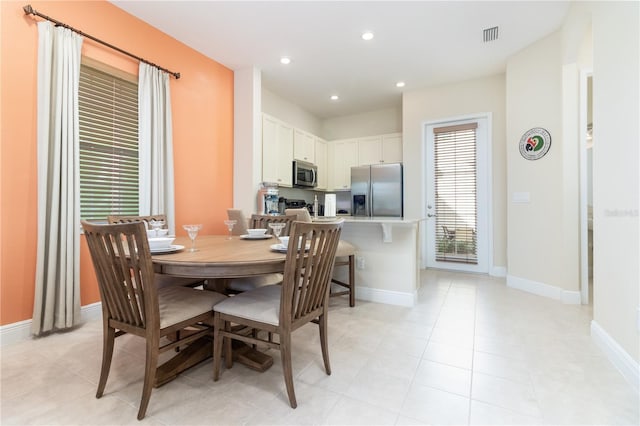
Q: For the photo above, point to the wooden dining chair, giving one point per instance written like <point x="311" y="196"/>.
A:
<point x="113" y="218"/>
<point x="132" y="303"/>
<point x="282" y="309"/>
<point x="263" y="221"/>
<point x="302" y="214"/>
<point x="240" y="228"/>
<point x="161" y="280"/>
<point x="345" y="256"/>
<point x="237" y="285"/>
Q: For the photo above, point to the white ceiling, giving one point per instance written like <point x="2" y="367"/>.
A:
<point x="422" y="43"/>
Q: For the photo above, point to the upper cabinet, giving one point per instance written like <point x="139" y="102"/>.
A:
<point x="343" y="156"/>
<point x="282" y="143"/>
<point x="277" y="151"/>
<point x="380" y="149"/>
<point x="322" y="163"/>
<point x="369" y="150"/>
<point x="304" y="146"/>
<point x="392" y="148"/>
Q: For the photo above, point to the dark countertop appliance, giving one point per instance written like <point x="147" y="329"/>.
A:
<point x="294" y="204"/>
<point x="298" y="204"/>
<point x="376" y="190"/>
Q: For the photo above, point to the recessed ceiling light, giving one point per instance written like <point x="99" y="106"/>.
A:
<point x="400" y="84"/>
<point x="334" y="97"/>
<point x="285" y="60"/>
<point x="367" y="35"/>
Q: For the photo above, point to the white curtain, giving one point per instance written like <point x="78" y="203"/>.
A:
<point x="155" y="144"/>
<point x="57" y="286"/>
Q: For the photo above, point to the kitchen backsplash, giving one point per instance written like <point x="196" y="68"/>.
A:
<point x="343" y="198"/>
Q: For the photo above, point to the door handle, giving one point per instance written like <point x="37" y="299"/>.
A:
<point x="431" y="215"/>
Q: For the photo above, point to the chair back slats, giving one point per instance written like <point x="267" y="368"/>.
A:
<point x="122" y="261"/>
<point x="263" y="221"/>
<point x="308" y="272"/>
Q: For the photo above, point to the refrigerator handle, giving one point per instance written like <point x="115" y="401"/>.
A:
<point x="370" y="212"/>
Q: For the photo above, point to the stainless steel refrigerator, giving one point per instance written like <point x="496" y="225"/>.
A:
<point x="376" y="190"/>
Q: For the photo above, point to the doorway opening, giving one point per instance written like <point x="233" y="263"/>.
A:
<point x="586" y="187"/>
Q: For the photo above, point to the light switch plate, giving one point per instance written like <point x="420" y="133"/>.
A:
<point x="521" y="197"/>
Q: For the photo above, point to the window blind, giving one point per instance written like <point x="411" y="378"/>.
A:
<point x="108" y="119"/>
<point x="455" y="188"/>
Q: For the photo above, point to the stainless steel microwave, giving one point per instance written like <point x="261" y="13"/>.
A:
<point x="305" y="175"/>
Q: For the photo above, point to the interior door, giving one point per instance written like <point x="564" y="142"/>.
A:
<point x="457" y="195"/>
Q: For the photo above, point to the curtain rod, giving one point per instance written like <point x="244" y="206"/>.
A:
<point x="28" y="10"/>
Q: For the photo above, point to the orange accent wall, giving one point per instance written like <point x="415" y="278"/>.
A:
<point x="202" y="104"/>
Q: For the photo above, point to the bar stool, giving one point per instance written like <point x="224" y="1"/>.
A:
<point x="345" y="256"/>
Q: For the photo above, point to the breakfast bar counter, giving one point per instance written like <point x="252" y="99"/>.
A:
<point x="387" y="258"/>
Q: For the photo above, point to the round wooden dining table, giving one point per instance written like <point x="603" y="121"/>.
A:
<point x="216" y="260"/>
<point x="218" y="257"/>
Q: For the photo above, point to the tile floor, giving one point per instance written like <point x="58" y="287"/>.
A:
<point x="472" y="351"/>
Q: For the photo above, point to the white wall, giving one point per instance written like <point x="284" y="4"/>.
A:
<point x="290" y="113"/>
<point x="453" y="100"/>
<point x="536" y="229"/>
<point x="616" y="179"/>
<point x="542" y="242"/>
<point x="247" y="138"/>
<point x="388" y="120"/>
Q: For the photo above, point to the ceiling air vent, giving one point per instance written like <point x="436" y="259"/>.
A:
<point x="490" y="34"/>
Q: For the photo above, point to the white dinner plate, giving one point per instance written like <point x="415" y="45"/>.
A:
<point x="279" y="247"/>
<point x="282" y="248"/>
<point x="255" y="237"/>
<point x="170" y="249"/>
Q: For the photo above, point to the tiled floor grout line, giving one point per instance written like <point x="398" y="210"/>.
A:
<point x="473" y="350"/>
<point x="413" y="379"/>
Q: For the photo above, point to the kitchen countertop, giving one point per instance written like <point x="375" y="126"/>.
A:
<point x="375" y="219"/>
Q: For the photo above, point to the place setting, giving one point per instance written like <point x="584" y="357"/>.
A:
<point x="284" y="245"/>
<point x="256" y="234"/>
<point x="159" y="240"/>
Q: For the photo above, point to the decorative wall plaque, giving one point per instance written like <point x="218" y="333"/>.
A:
<point x="535" y="143"/>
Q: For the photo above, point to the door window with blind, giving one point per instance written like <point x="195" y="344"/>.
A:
<point x="456" y="195"/>
<point x="108" y="116"/>
<point x="455" y="186"/>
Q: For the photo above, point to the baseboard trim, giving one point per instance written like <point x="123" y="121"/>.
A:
<point x="385" y="296"/>
<point x="498" y="271"/>
<point x="545" y="290"/>
<point x="21" y="330"/>
<point x="627" y="366"/>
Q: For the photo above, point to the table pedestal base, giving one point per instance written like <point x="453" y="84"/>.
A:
<point x="250" y="357"/>
<point x="188" y="357"/>
<point x="201" y="350"/>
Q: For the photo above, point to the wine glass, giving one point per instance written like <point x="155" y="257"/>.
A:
<point x="192" y="230"/>
<point x="230" y="224"/>
<point x="155" y="225"/>
<point x="277" y="228"/>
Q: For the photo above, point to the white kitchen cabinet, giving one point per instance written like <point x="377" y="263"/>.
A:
<point x="380" y="149"/>
<point x="392" y="148"/>
<point x="369" y="150"/>
<point x="322" y="163"/>
<point x="304" y="146"/>
<point x="277" y="151"/>
<point x="344" y="156"/>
